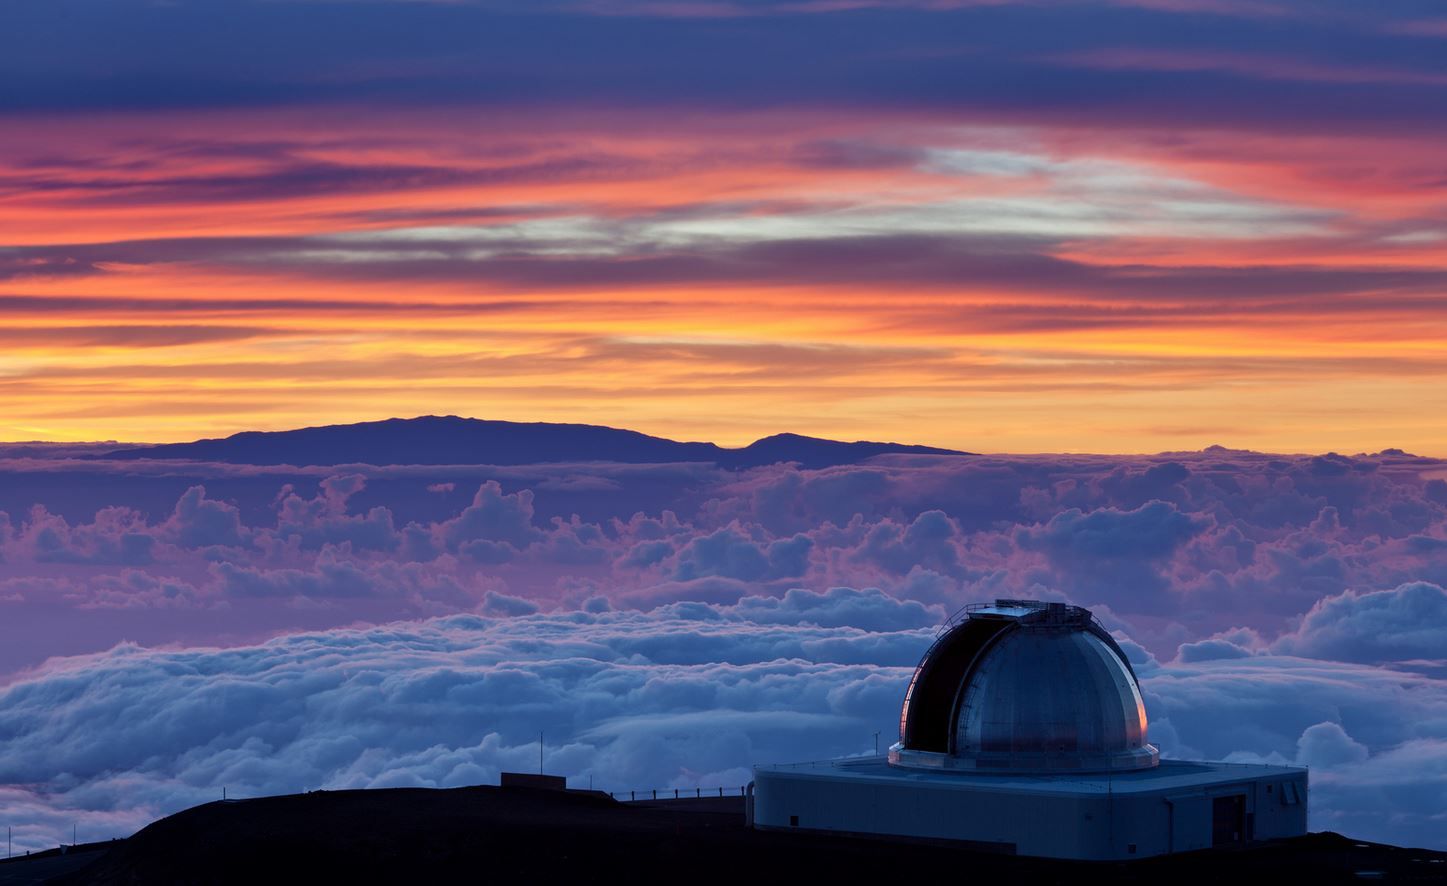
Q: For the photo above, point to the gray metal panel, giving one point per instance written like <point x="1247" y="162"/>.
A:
<point x="1055" y="698"/>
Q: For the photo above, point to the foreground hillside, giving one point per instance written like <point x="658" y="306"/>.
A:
<point x="513" y="835"/>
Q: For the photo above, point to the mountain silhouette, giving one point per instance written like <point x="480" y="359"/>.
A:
<point x="438" y="440"/>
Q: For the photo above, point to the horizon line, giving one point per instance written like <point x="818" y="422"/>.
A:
<point x="1387" y="450"/>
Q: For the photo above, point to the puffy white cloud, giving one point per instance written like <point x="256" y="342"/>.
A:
<point x="330" y="579"/>
<point x="687" y="694"/>
<point x="1208" y="650"/>
<point x="200" y="522"/>
<point x="1400" y="791"/>
<point x="497" y="603"/>
<point x="493" y="518"/>
<point x="870" y="609"/>
<point x="1405" y="623"/>
<point x="928" y="542"/>
<point x="1113" y="555"/>
<point x="731" y="552"/>
<point x="324" y="520"/>
<point x="1327" y="745"/>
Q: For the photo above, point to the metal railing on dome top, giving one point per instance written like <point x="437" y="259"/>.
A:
<point x="965" y="611"/>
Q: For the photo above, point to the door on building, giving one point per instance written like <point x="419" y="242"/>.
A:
<point x="1228" y="820"/>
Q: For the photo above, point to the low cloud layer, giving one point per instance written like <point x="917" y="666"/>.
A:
<point x="276" y="629"/>
<point x="686" y="695"/>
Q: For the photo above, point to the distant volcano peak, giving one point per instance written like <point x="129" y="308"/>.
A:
<point x="452" y="439"/>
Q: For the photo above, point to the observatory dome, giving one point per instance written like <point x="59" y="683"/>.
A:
<point x="1024" y="686"/>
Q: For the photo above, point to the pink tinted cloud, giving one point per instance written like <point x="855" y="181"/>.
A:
<point x="1176" y="547"/>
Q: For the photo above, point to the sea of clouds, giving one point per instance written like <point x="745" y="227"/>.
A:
<point x="282" y="629"/>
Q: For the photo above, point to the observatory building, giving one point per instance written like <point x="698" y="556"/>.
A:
<point x="1023" y="731"/>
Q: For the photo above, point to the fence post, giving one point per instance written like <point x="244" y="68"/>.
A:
<point x="633" y="795"/>
<point x="655" y="793"/>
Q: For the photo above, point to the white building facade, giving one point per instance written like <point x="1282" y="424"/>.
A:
<point x="1023" y="731"/>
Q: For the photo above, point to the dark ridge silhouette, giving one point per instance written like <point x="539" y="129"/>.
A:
<point x="443" y="440"/>
<point x="524" y="835"/>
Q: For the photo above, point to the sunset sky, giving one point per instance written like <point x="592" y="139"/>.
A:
<point x="1082" y="240"/>
<point x="996" y="226"/>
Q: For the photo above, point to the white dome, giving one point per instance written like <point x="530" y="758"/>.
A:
<point x="1024" y="686"/>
